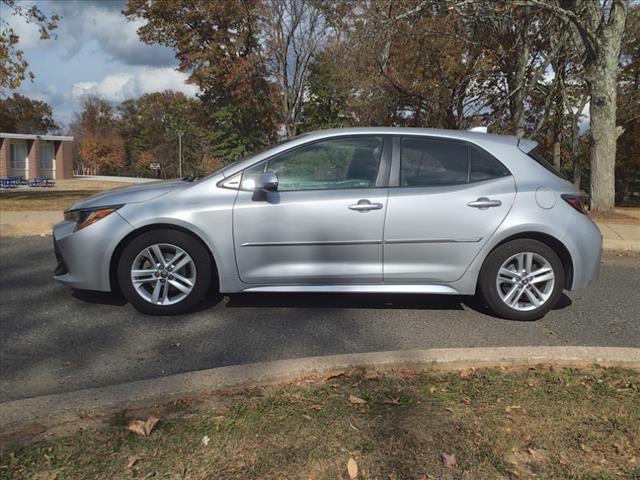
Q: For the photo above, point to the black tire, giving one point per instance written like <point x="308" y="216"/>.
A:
<point x="488" y="289"/>
<point x="197" y="252"/>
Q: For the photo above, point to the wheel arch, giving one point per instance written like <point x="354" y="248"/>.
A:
<point x="552" y="242"/>
<point x="117" y="253"/>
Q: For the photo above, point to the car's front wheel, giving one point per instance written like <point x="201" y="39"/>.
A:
<point x="164" y="272"/>
<point x="522" y="279"/>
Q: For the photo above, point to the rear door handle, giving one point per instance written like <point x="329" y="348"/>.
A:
<point x="483" y="203"/>
<point x="365" y="205"/>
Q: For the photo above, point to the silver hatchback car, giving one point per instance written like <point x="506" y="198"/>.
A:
<point x="373" y="210"/>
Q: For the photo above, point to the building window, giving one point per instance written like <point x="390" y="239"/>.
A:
<point x="18" y="156"/>
<point x="47" y="155"/>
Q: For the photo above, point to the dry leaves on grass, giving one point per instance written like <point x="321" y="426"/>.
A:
<point x="391" y="401"/>
<point x="357" y="400"/>
<point x="142" y="427"/>
<point x="449" y="459"/>
<point x="132" y="460"/>
<point x="352" y="468"/>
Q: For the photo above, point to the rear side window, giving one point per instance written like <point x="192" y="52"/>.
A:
<point x="534" y="154"/>
<point x="426" y="162"/>
<point x="432" y="163"/>
<point x="484" y="166"/>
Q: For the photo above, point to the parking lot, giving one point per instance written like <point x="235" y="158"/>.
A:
<point x="54" y="340"/>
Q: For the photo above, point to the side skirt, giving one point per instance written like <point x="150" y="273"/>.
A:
<point x="354" y="288"/>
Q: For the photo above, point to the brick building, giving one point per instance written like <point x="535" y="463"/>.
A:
<point x="31" y="156"/>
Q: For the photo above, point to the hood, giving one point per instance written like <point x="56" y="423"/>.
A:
<point x="133" y="194"/>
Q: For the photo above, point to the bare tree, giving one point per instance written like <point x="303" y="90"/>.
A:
<point x="295" y="31"/>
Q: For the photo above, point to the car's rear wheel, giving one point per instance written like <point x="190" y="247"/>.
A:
<point x="522" y="279"/>
<point x="164" y="272"/>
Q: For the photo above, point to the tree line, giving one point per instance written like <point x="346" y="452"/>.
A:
<point x="272" y="69"/>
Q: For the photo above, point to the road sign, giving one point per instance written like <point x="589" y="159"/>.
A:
<point x="154" y="166"/>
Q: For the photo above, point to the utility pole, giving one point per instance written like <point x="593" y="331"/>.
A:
<point x="180" y="132"/>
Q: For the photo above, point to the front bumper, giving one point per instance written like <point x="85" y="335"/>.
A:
<point x="84" y="257"/>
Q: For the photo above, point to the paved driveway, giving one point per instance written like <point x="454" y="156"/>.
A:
<point x="53" y="340"/>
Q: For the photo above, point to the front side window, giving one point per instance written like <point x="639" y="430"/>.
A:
<point x="425" y="162"/>
<point x="332" y="164"/>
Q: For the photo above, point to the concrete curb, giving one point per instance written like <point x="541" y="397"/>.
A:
<point x="65" y="407"/>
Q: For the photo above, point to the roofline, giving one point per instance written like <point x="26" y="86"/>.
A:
<point x="27" y="136"/>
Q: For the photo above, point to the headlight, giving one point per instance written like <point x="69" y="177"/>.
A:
<point x="85" y="217"/>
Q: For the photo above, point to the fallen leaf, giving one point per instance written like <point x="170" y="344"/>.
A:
<point x="334" y="375"/>
<point x="34" y="429"/>
<point x="449" y="409"/>
<point x="316" y="408"/>
<point x="391" y="401"/>
<point x="449" y="459"/>
<point x="352" y="468"/>
<point x="132" y="460"/>
<point x="432" y="390"/>
<point x="466" y="400"/>
<point x="205" y="440"/>
<point x="509" y="408"/>
<point x="357" y="400"/>
<point x="143" y="428"/>
<point x="371" y="374"/>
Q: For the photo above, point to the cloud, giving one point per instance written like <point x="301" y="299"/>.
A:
<point x="121" y="86"/>
<point x="101" y="21"/>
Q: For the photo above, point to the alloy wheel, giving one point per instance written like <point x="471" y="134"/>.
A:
<point x="163" y="274"/>
<point x="525" y="281"/>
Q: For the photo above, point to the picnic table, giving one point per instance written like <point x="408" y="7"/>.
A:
<point x="41" y="182"/>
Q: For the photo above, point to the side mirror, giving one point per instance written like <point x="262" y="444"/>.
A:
<point x="266" y="182"/>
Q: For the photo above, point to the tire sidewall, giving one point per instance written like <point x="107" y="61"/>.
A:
<point x="488" y="275"/>
<point x="194" y="249"/>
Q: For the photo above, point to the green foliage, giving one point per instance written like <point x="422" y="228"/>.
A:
<point x="326" y="106"/>
<point x="151" y="126"/>
<point x="19" y="114"/>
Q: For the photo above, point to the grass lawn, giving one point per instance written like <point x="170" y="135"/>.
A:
<point x="63" y="195"/>
<point x="487" y="423"/>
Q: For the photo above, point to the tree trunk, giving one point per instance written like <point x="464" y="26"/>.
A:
<point x="601" y="79"/>
<point x="556" y="153"/>
<point x="601" y="75"/>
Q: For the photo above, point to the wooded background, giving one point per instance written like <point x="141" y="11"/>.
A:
<point x="565" y="73"/>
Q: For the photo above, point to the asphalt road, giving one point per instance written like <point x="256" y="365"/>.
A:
<point x="53" y="340"/>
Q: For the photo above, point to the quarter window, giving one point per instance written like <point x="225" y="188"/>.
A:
<point x="339" y="163"/>
<point x="432" y="163"/>
<point x="484" y="166"/>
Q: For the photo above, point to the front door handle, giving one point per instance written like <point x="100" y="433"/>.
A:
<point x="365" y="205"/>
<point x="483" y="203"/>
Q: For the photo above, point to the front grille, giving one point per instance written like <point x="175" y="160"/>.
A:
<point x="61" y="267"/>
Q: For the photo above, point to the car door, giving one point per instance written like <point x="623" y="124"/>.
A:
<point x="449" y="198"/>
<point x="324" y="223"/>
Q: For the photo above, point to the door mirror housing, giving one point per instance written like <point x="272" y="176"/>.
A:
<point x="266" y="182"/>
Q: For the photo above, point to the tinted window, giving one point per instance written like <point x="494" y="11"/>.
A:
<point x="330" y="164"/>
<point x="484" y="166"/>
<point x="542" y="161"/>
<point x="432" y="163"/>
